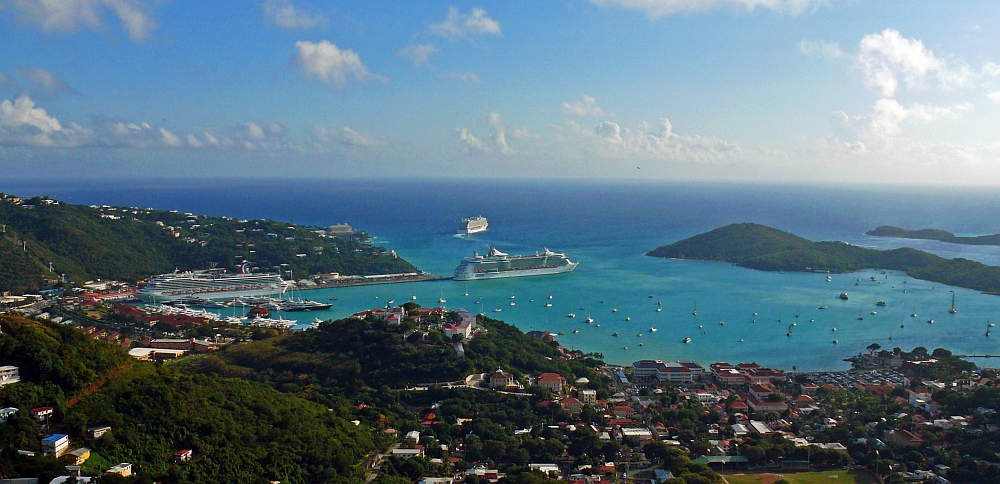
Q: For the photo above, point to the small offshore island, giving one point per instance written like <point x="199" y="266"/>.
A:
<point x="932" y="234"/>
<point x="764" y="248"/>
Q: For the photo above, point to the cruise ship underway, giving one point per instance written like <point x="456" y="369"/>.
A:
<point x="473" y="225"/>
<point x="496" y="264"/>
<point x="212" y="284"/>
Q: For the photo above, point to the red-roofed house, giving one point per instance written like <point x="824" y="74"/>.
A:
<point x="623" y="411"/>
<point x="552" y="382"/>
<point x="761" y="406"/>
<point x="571" y="405"/>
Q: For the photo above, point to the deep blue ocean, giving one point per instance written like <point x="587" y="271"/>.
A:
<point x="607" y="227"/>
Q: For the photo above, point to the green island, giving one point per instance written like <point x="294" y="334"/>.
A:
<point x="764" y="248"/>
<point x="130" y="243"/>
<point x="933" y="234"/>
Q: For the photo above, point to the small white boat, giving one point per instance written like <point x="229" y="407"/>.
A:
<point x="512" y="303"/>
<point x="497" y="310"/>
<point x="589" y="320"/>
<point x="687" y="340"/>
<point x="930" y="321"/>
<point x="550" y="297"/>
<point x="571" y="315"/>
<point x="835" y="328"/>
<point x="628" y="318"/>
<point x="836" y="341"/>
<point x="722" y="323"/>
<point x="576" y="331"/>
<point x="598" y="325"/>
<point x="659" y="309"/>
<point x="741" y="340"/>
<point x="652" y="330"/>
<point x="614" y="310"/>
<point x="913" y="315"/>
<point x="548" y="305"/>
<point x="413" y="298"/>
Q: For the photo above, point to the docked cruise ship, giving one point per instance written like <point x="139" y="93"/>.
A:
<point x="496" y="264"/>
<point x="212" y="284"/>
<point x="472" y="225"/>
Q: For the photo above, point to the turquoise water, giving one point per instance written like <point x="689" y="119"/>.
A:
<point x="608" y="227"/>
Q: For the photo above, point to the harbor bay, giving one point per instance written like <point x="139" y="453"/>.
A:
<point x="607" y="228"/>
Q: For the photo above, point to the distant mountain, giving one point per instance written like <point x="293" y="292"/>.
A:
<point x="129" y="244"/>
<point x="764" y="248"/>
<point x="933" y="234"/>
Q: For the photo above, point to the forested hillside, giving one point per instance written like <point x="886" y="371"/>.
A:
<point x="240" y="431"/>
<point x="130" y="243"/>
<point x="764" y="248"/>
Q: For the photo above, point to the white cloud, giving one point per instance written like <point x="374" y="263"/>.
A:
<point x="286" y="15"/>
<point x="71" y="15"/>
<point x="583" y="108"/>
<point x="469" y="77"/>
<point x="887" y="120"/>
<point x="659" y="8"/>
<point x="23" y="124"/>
<point x="417" y="54"/>
<point x="458" y="24"/>
<point x="193" y="141"/>
<point x="829" y="50"/>
<point x="331" y="65"/>
<point x="170" y="139"/>
<point x="612" y="141"/>
<point x="994" y="96"/>
<point x="470" y="143"/>
<point x="43" y="82"/>
<point x="254" y="131"/>
<point x="495" y="122"/>
<point x="347" y="137"/>
<point x="887" y="57"/>
<point x="523" y="133"/>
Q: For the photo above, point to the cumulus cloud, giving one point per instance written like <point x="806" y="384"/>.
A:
<point x="495" y="121"/>
<point x="887" y="57"/>
<point x="71" y="15"/>
<point x="42" y="82"/>
<point x="329" y="64"/>
<point x="347" y="137"/>
<point x="470" y="143"/>
<point x="286" y="15"/>
<point x="613" y="141"/>
<point x="828" y="50"/>
<point x="417" y="54"/>
<point x="24" y="124"/>
<point x="994" y="96"/>
<point x="660" y="8"/>
<point x="456" y="24"/>
<point x="887" y="119"/>
<point x="583" y="108"/>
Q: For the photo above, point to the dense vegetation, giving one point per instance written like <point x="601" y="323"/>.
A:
<point x="350" y="356"/>
<point x="240" y="431"/>
<point x="933" y="234"/>
<point x="129" y="244"/>
<point x="764" y="248"/>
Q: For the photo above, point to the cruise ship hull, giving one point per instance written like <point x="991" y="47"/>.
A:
<point x="171" y="288"/>
<point x="498" y="274"/>
<point x="496" y="265"/>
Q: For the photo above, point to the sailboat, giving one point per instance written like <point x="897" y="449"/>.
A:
<point x="695" y="312"/>
<point x="952" y="309"/>
<point x="441" y="300"/>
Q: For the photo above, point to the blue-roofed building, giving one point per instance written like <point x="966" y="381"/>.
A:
<point x="55" y="445"/>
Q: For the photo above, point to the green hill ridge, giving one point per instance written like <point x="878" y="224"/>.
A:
<point x="933" y="234"/>
<point x="130" y="243"/>
<point x="764" y="248"/>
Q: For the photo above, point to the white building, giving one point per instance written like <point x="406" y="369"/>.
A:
<point x="9" y="374"/>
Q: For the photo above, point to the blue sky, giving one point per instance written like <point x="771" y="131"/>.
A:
<point x="741" y="90"/>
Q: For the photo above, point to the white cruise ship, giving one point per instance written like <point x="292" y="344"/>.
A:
<point x="473" y="225"/>
<point x="212" y="284"/>
<point x="496" y="264"/>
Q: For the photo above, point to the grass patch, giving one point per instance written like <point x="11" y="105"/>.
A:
<point x="818" y="477"/>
